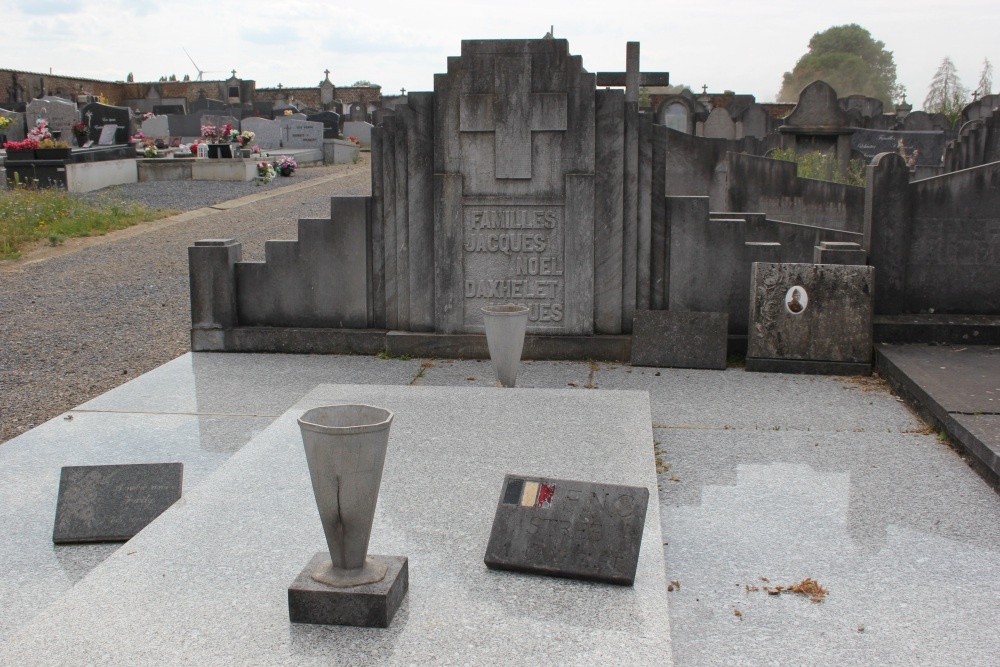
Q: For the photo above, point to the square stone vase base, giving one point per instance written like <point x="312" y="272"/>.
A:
<point x="367" y="606"/>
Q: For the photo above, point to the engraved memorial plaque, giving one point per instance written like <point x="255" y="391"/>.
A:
<point x="565" y="528"/>
<point x="114" y="502"/>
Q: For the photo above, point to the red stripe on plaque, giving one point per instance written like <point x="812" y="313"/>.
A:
<point x="545" y="495"/>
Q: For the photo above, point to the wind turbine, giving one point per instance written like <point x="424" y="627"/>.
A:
<point x="201" y="72"/>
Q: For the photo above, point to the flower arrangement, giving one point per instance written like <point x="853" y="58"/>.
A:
<point x="28" y="144"/>
<point x="41" y="129"/>
<point x="138" y="138"/>
<point x="209" y="133"/>
<point x="265" y="172"/>
<point x="228" y="135"/>
<point x="150" y="151"/>
<point x="79" y="130"/>
<point x="5" y="122"/>
<point x="194" y="147"/>
<point x="357" y="142"/>
<point x="245" y="137"/>
<point x="286" y="165"/>
<point x="256" y="148"/>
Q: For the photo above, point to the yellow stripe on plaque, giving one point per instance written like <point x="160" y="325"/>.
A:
<point x="529" y="494"/>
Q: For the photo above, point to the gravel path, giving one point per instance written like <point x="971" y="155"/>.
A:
<point x="77" y="325"/>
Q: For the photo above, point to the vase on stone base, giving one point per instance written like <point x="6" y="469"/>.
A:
<point x="505" y="327"/>
<point x="345" y="449"/>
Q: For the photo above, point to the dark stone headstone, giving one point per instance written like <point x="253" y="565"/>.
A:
<point x="677" y="339"/>
<point x="929" y="145"/>
<point x="205" y="104"/>
<point x="168" y="109"/>
<point x="97" y="115"/>
<point x="368" y="606"/>
<point x="331" y="123"/>
<point x="810" y="318"/>
<point x="565" y="528"/>
<point x="114" y="502"/>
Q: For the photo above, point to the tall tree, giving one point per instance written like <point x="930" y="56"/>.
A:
<point x="850" y="60"/>
<point x="985" y="86"/>
<point x="946" y="94"/>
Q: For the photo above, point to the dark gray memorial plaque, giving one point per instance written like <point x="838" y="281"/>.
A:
<point x="566" y="528"/>
<point x="112" y="503"/>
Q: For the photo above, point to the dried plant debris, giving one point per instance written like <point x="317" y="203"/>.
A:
<point x="738" y="614"/>
<point x="808" y="587"/>
<point x="923" y="429"/>
<point x="865" y="383"/>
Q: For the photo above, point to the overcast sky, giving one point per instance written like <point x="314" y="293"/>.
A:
<point x="728" y="45"/>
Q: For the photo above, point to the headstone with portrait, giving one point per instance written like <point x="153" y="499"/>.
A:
<point x="811" y="318"/>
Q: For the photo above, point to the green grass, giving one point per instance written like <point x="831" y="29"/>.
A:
<point x="28" y="215"/>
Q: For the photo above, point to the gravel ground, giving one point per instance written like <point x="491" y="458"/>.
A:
<point x="189" y="195"/>
<point x="77" y="325"/>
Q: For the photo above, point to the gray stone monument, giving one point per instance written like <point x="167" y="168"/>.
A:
<point x="267" y="133"/>
<point x="811" y="318"/>
<point x="298" y="133"/>
<point x="360" y="131"/>
<point x="60" y="113"/>
<point x="15" y="131"/>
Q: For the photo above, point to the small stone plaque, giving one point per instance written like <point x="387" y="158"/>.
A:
<point x="112" y="503"/>
<point x="107" y="137"/>
<point x="566" y="528"/>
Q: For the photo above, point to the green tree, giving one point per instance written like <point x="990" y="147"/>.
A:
<point x="946" y="94"/>
<point x="850" y="60"/>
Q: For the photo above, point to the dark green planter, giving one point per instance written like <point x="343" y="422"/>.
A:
<point x="20" y="155"/>
<point x="52" y="153"/>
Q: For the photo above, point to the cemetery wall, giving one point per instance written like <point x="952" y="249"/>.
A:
<point x="953" y="257"/>
<point x="312" y="97"/>
<point x="772" y="186"/>
<point x="21" y="86"/>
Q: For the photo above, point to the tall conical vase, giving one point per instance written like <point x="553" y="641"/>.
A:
<point x="505" y="327"/>
<point x="345" y="449"/>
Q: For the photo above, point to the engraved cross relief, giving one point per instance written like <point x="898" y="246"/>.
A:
<point x="512" y="112"/>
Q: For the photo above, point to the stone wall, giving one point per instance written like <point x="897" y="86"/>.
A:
<point x="933" y="243"/>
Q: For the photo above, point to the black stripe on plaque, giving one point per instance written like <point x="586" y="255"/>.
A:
<point x="512" y="496"/>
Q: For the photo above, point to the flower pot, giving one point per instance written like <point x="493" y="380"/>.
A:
<point x="220" y="150"/>
<point x="345" y="449"/>
<point x="81" y="140"/>
<point x="286" y="171"/>
<point x="505" y="326"/>
<point x="13" y="155"/>
<point x="52" y="153"/>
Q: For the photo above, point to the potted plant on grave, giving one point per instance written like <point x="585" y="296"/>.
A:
<point x="218" y="145"/>
<point x="265" y="172"/>
<point x="81" y="132"/>
<point x="245" y="137"/>
<point x="286" y="165"/>
<point x="150" y="151"/>
<point x="52" y="149"/>
<point x="21" y="150"/>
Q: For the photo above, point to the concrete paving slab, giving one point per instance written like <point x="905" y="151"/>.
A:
<point x="761" y="401"/>
<point x="36" y="572"/>
<point x="532" y="374"/>
<point x="206" y="582"/>
<point x="955" y="388"/>
<point x="962" y="379"/>
<point x="896" y="527"/>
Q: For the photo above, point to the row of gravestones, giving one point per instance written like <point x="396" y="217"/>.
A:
<point x="62" y="114"/>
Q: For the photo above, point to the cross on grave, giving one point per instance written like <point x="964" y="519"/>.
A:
<point x="402" y="91"/>
<point x="234" y="74"/>
<point x="512" y="112"/>
<point x="704" y="90"/>
<point x="327" y="72"/>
